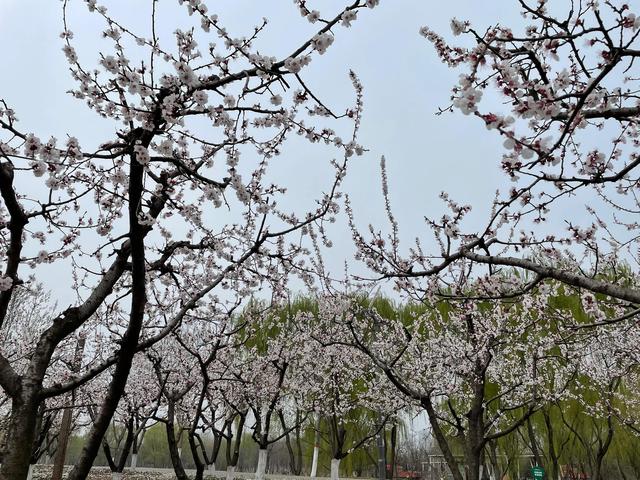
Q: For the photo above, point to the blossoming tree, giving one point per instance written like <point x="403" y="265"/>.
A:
<point x="196" y="125"/>
<point x="559" y="89"/>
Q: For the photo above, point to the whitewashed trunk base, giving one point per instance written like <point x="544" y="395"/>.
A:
<point x="262" y="464"/>
<point x="231" y="472"/>
<point x="335" y="469"/>
<point x="314" y="461"/>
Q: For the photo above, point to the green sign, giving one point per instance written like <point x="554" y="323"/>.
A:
<point x="537" y="473"/>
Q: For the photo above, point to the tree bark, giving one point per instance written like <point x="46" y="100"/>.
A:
<point x="553" y="456"/>
<point x="128" y="442"/>
<point x="534" y="443"/>
<point x="234" y="441"/>
<point x="65" y="427"/>
<point x="174" y="451"/>
<point x="394" y="441"/>
<point x="603" y="448"/>
<point x="196" y="456"/>
<point x="22" y="424"/>
<point x="193" y="444"/>
<point x="262" y="464"/>
<point x="443" y="443"/>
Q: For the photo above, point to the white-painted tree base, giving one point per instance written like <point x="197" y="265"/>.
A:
<point x="335" y="469"/>
<point x="262" y="464"/>
<point x="231" y="472"/>
<point x="314" y="461"/>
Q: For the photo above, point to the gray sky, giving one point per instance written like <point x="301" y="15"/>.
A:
<point x="404" y="84"/>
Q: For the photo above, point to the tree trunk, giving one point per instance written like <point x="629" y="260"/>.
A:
<point x="382" y="457"/>
<point x="474" y="438"/>
<point x="472" y="462"/>
<point x="193" y="444"/>
<point x="128" y="442"/>
<point x="603" y="449"/>
<point x="492" y="453"/>
<point x="21" y="431"/>
<point x="233" y="442"/>
<point x="552" y="448"/>
<point x="196" y="456"/>
<point x="231" y="470"/>
<point x="262" y="464"/>
<point x="130" y="338"/>
<point x="394" y="441"/>
<point x="335" y="469"/>
<point x="316" y="449"/>
<point x="65" y="427"/>
<point x="174" y="451"/>
<point x="534" y="443"/>
<point x="443" y="443"/>
<point x="295" y="454"/>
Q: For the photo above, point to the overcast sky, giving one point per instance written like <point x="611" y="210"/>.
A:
<point x="404" y="84"/>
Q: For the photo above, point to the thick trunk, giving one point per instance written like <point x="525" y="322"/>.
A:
<point x="472" y="463"/>
<point x="134" y="461"/>
<point x="474" y="438"/>
<point x="262" y="464"/>
<point x="174" y="451"/>
<point x="335" y="469"/>
<point x="231" y="471"/>
<point x="21" y="431"/>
